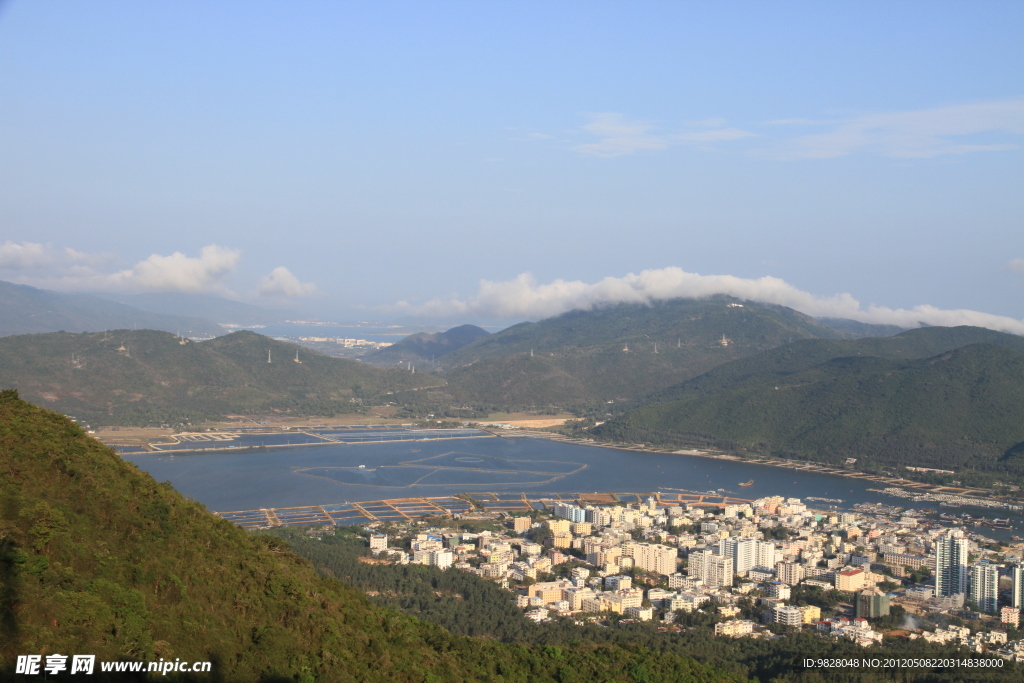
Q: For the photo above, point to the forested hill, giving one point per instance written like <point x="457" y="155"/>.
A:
<point x="619" y="352"/>
<point x="802" y="355"/>
<point x="146" y="377"/>
<point x="98" y="558"/>
<point x="27" y="310"/>
<point x="963" y="409"/>
<point x="426" y="346"/>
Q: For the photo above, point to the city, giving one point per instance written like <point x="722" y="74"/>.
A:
<point x="758" y="569"/>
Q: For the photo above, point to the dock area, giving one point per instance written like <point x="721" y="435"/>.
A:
<point x="410" y="509"/>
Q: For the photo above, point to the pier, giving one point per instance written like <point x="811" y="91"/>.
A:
<point x="411" y="509"/>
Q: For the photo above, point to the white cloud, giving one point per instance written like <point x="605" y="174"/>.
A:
<point x="523" y="297"/>
<point x="81" y="257"/>
<point x="177" y="272"/>
<point x="618" y="136"/>
<point x="281" y="282"/>
<point x="1017" y="265"/>
<point x="709" y="136"/>
<point x="73" y="270"/>
<point x="19" y="256"/>
<point x="952" y="129"/>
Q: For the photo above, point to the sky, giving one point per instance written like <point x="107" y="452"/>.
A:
<point x="512" y="160"/>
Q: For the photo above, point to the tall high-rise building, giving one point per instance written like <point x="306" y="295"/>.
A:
<point x="571" y="512"/>
<point x="1018" y="585"/>
<point x="872" y="603"/>
<point x="951" y="565"/>
<point x="714" y="570"/>
<point x="742" y="552"/>
<point x="789" y="572"/>
<point x="718" y="571"/>
<point x="696" y="564"/>
<point x="653" y="557"/>
<point x="598" y="517"/>
<point x="985" y="586"/>
<point x="765" y="554"/>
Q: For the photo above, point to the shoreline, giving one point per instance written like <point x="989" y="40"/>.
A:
<point x="913" y="486"/>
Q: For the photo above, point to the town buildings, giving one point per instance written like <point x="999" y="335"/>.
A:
<point x="744" y="564"/>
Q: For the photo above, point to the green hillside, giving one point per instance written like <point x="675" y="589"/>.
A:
<point x="582" y="357"/>
<point x="146" y="377"/>
<point x="426" y="346"/>
<point x="98" y="558"/>
<point x="963" y="409"/>
<point x="805" y="354"/>
<point x="27" y="310"/>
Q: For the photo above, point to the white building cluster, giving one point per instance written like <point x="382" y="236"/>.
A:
<point x="649" y="561"/>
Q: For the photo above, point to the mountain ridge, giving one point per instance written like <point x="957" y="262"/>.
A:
<point x="959" y="410"/>
<point x="616" y="353"/>
<point x="150" y="377"/>
<point x="28" y="310"/>
<point x="426" y="346"/>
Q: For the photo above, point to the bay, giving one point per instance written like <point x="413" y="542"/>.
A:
<point x="331" y="474"/>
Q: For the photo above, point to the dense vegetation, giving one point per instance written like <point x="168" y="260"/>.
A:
<point x="98" y="558"/>
<point x="426" y="346"/>
<point x="154" y="378"/>
<point x="27" y="310"/>
<point x="960" y="410"/>
<point x="581" y="357"/>
<point x="465" y="603"/>
<point x="775" y="364"/>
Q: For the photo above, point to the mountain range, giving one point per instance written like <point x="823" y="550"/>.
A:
<point x="147" y="376"/>
<point x="619" y="353"/>
<point x="882" y="401"/>
<point x="27" y="310"/>
<point x="426" y="347"/>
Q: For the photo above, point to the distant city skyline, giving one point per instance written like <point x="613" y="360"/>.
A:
<point x="512" y="161"/>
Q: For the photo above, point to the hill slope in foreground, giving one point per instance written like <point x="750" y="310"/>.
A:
<point x="145" y="377"/>
<point x="98" y="558"/>
<point x="960" y="409"/>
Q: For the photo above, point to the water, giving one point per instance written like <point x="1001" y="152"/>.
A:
<point x="331" y="474"/>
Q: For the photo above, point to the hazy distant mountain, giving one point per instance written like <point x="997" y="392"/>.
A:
<point x="27" y="310"/>
<point x="146" y="376"/>
<point x="426" y="346"/>
<point x="214" y="308"/>
<point x="618" y="352"/>
<point x="959" y="409"/>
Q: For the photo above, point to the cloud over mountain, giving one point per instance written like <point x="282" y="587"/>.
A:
<point x="524" y="297"/>
<point x="178" y="272"/>
<point x="281" y="282"/>
<point x="18" y="256"/>
<point x="42" y="265"/>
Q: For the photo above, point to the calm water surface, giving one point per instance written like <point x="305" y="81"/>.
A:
<point x="320" y="475"/>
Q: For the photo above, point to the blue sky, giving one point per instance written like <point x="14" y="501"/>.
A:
<point x="346" y="157"/>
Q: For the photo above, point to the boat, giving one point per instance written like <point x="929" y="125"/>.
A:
<point x="748" y="483"/>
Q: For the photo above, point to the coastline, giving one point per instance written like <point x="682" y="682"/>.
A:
<point x="898" y="482"/>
